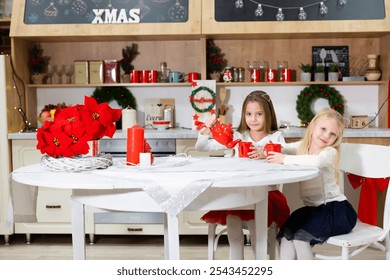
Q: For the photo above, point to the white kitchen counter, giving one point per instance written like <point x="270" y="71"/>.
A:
<point x="293" y="132"/>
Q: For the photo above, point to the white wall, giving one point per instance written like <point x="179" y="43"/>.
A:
<point x="359" y="100"/>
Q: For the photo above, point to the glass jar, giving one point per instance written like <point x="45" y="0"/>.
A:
<point x="373" y="73"/>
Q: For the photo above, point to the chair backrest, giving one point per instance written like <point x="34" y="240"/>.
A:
<point x="372" y="161"/>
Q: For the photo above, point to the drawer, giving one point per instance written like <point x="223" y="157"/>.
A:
<point x="53" y="205"/>
<point x="129" y="229"/>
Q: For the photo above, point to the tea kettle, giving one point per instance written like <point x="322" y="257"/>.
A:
<point x="222" y="133"/>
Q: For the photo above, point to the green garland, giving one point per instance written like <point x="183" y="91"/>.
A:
<point x="202" y="100"/>
<point x="309" y="94"/>
<point x="122" y="95"/>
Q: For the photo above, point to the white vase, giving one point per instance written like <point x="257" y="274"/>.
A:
<point x="216" y="76"/>
<point x="319" y="77"/>
<point x="333" y="76"/>
<point x="305" y="77"/>
<point x="37" y="78"/>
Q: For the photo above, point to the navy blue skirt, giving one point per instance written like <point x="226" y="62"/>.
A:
<point x="317" y="224"/>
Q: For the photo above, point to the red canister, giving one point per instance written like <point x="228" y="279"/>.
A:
<point x="255" y="75"/>
<point x="285" y="75"/>
<point x="271" y="75"/>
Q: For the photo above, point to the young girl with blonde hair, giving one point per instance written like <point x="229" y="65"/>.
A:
<point x="326" y="212"/>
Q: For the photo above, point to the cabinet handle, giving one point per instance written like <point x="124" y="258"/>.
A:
<point x="134" y="229"/>
<point x="53" y="206"/>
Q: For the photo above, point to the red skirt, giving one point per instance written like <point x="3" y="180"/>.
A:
<point x="278" y="211"/>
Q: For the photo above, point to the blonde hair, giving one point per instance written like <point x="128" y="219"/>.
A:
<point x="265" y="102"/>
<point x="326" y="113"/>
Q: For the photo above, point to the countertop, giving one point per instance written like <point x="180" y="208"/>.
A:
<point x="180" y="133"/>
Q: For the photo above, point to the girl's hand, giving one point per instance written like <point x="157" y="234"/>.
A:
<point x="210" y="122"/>
<point x="274" y="157"/>
<point x="256" y="153"/>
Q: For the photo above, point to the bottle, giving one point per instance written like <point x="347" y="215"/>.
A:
<point x="373" y="73"/>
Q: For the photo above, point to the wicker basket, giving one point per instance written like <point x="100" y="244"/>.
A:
<point x="77" y="164"/>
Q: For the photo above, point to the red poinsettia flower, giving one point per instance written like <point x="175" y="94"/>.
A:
<point x="74" y="126"/>
<point x="52" y="141"/>
<point x="100" y="118"/>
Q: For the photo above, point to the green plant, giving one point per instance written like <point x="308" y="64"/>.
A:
<point x="37" y="62"/>
<point x="333" y="68"/>
<point x="215" y="60"/>
<point x="128" y="54"/>
<point x="306" y="68"/>
<point x="320" y="69"/>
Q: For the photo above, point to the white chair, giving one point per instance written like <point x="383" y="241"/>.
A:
<point x="213" y="238"/>
<point x="371" y="161"/>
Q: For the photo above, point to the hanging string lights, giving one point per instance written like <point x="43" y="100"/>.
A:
<point x="301" y="14"/>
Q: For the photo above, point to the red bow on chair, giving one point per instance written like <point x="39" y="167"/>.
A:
<point x="367" y="210"/>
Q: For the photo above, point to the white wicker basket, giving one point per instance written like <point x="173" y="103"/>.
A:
<point x="77" y="164"/>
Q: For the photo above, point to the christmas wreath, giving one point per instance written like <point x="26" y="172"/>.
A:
<point x="201" y="100"/>
<point x="309" y="94"/>
<point x="121" y="95"/>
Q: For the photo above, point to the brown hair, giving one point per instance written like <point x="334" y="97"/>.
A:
<point x="261" y="97"/>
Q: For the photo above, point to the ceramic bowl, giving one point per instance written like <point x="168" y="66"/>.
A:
<point x="161" y="125"/>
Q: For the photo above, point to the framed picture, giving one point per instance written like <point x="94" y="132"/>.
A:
<point x="332" y="55"/>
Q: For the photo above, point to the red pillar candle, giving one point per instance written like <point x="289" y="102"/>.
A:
<point x="135" y="144"/>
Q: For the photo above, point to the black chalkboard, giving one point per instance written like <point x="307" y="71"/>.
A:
<point x="82" y="11"/>
<point x="353" y="10"/>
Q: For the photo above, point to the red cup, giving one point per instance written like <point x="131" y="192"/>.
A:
<point x="273" y="147"/>
<point x="243" y="149"/>
<point x="255" y="75"/>
<point x="192" y="76"/>
<point x="285" y="75"/>
<point x="153" y="74"/>
<point x="134" y="76"/>
<point x="144" y="77"/>
<point x="271" y="75"/>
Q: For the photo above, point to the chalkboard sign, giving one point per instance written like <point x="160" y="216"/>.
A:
<point x="105" y="11"/>
<point x="226" y="11"/>
<point x="326" y="55"/>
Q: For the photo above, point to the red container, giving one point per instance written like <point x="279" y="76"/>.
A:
<point x="134" y="76"/>
<point x="285" y="75"/>
<point x="111" y="71"/>
<point x="153" y="74"/>
<point x="273" y="147"/>
<point x="271" y="75"/>
<point x="255" y="75"/>
<point x="144" y="77"/>
<point x="243" y="149"/>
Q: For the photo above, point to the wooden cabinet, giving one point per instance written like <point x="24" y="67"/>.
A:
<point x="183" y="46"/>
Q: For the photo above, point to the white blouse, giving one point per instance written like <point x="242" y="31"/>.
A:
<point x="323" y="188"/>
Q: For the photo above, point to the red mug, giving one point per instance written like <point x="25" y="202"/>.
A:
<point x="153" y="74"/>
<point x="255" y="75"/>
<point x="244" y="148"/>
<point x="271" y="75"/>
<point x="192" y="76"/>
<point x="285" y="75"/>
<point x="273" y="147"/>
<point x="144" y="77"/>
<point x="134" y="76"/>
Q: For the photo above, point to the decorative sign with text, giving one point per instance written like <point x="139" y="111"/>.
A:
<point x="105" y="11"/>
